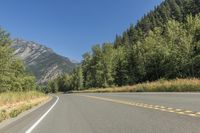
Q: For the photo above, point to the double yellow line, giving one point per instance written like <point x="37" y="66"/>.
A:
<point x="149" y="106"/>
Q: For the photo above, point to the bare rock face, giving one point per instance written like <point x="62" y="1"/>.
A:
<point x="41" y="61"/>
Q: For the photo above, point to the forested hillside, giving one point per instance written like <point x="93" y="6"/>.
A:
<point x="164" y="44"/>
<point x="170" y="9"/>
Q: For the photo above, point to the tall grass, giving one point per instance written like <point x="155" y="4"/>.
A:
<point x="14" y="103"/>
<point x="177" y="85"/>
<point x="15" y="97"/>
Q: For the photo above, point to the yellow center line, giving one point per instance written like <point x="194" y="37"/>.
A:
<point x="148" y="106"/>
<point x="194" y="115"/>
<point x="188" y="111"/>
<point x="163" y="110"/>
<point x="178" y="109"/>
<point x="182" y="113"/>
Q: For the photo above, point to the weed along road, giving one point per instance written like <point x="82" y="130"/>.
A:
<point x="113" y="113"/>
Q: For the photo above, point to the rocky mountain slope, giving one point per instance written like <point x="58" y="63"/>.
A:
<point x="43" y="62"/>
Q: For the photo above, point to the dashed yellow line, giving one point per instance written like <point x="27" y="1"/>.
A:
<point x="198" y="113"/>
<point x="182" y="113"/>
<point x="178" y="109"/>
<point x="188" y="111"/>
<point x="149" y="106"/>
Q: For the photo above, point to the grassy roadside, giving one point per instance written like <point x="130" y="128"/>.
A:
<point x="14" y="103"/>
<point x="177" y="85"/>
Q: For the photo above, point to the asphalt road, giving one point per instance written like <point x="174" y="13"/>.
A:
<point x="115" y="113"/>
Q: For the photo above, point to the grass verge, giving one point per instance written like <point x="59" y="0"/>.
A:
<point x="177" y="85"/>
<point x="14" y="103"/>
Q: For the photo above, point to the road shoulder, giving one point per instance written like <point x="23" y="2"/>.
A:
<point x="8" y="122"/>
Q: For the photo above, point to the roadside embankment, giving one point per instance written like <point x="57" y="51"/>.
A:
<point x="177" y="85"/>
<point x="14" y="103"/>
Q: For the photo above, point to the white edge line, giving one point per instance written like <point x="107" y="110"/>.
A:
<point x="42" y="117"/>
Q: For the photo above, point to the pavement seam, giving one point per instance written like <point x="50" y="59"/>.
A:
<point x="149" y="106"/>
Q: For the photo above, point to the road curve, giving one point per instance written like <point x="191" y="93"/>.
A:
<point x="115" y="113"/>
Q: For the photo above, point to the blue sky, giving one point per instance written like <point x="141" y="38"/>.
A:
<point x="71" y="27"/>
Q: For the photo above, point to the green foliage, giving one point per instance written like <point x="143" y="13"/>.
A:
<point x="15" y="112"/>
<point x="120" y="73"/>
<point x="13" y="75"/>
<point x="53" y="86"/>
<point x="65" y="83"/>
<point x="5" y="62"/>
<point x="76" y="79"/>
<point x="3" y="115"/>
<point x="107" y="61"/>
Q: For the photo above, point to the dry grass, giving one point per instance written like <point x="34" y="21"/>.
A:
<point x="15" y="97"/>
<point x="177" y="85"/>
<point x="14" y="103"/>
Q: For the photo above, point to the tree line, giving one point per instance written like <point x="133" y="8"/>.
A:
<point x="169" y="9"/>
<point x="164" y="44"/>
<point x="13" y="74"/>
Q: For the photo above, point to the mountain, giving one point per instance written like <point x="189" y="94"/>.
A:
<point x="41" y="61"/>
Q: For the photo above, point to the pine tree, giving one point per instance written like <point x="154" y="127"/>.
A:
<point x="175" y="10"/>
<point x="118" y="41"/>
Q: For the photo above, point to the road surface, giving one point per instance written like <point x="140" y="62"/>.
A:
<point x="114" y="113"/>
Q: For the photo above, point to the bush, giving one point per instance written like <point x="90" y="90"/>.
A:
<point x="3" y="115"/>
<point x="19" y="110"/>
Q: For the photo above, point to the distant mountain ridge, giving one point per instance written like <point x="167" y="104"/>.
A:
<point x="42" y="61"/>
